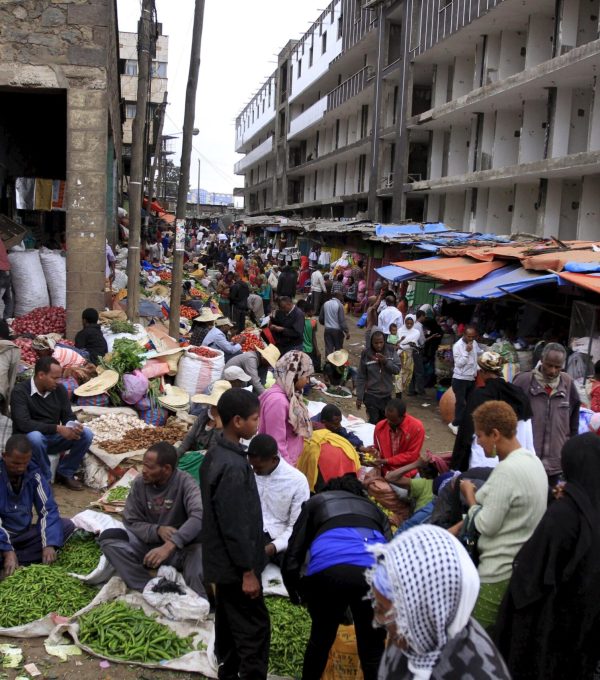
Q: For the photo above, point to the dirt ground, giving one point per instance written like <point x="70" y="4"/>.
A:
<point x="438" y="439"/>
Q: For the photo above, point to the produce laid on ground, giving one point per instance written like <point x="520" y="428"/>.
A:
<point x="164" y="276"/>
<point x="80" y="554"/>
<point x="199" y="293"/>
<point x="35" y="591"/>
<point x="28" y="355"/>
<point x="290" y="630"/>
<point x="188" y="312"/>
<point x="144" y="437"/>
<point x="203" y="352"/>
<point x="127" y="355"/>
<point x="249" y="341"/>
<point x="41" y="321"/>
<point x="113" y="425"/>
<point x="122" y="327"/>
<point x="118" y="631"/>
<point x="118" y="494"/>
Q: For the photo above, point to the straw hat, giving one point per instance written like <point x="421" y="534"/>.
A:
<point x="270" y="353"/>
<point x="174" y="398"/>
<point x="338" y="358"/>
<point x="236" y="373"/>
<point x="224" y="321"/>
<point x="491" y="361"/>
<point x="99" y="385"/>
<point x="212" y="399"/>
<point x="206" y="316"/>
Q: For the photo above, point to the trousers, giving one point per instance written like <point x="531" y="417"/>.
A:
<point x="127" y="557"/>
<point x="375" y="407"/>
<point x="28" y="544"/>
<point x="462" y="389"/>
<point x="328" y="594"/>
<point x="334" y="340"/>
<point x="45" y="445"/>
<point x="242" y="634"/>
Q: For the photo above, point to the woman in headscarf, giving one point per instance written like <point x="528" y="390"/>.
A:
<point x="424" y="588"/>
<point x="467" y="453"/>
<point x="408" y="342"/>
<point x="283" y="413"/>
<point x="507" y="508"/>
<point x="549" y="625"/>
<point x="375" y="381"/>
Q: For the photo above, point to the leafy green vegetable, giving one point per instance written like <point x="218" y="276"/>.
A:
<point x="126" y="356"/>
<point x="122" y="327"/>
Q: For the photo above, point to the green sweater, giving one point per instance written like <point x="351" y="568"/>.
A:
<point x="512" y="502"/>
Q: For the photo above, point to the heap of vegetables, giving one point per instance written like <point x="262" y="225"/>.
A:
<point x="113" y="425"/>
<point x="118" y="494"/>
<point x="290" y="630"/>
<point x="118" y="631"/>
<point x="203" y="352"/>
<point x="142" y="438"/>
<point x="35" y="591"/>
<point x="248" y="340"/>
<point x="28" y="355"/>
<point x="188" y="312"/>
<point x="118" y="326"/>
<point x="127" y="355"/>
<point x="80" y="554"/>
<point x="41" y="321"/>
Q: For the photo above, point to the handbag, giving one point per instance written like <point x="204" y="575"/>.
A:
<point x="469" y="536"/>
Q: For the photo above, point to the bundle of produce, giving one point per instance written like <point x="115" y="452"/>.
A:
<point x="118" y="494"/>
<point x="35" y="591"/>
<point x="118" y="631"/>
<point x="28" y="355"/>
<point x="164" y="276"/>
<point x="188" y="312"/>
<point x="203" y="352"/>
<point x="290" y="630"/>
<point x="248" y="340"/>
<point x="118" y="326"/>
<point x="80" y="554"/>
<point x="127" y="355"/>
<point x="42" y="320"/>
<point x="113" y="425"/>
<point x="143" y="437"/>
<point x="199" y="293"/>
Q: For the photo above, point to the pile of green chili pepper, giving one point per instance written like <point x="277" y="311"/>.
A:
<point x="119" y="493"/>
<point x="35" y="591"/>
<point x="290" y="630"/>
<point x="118" y="631"/>
<point x="80" y="554"/>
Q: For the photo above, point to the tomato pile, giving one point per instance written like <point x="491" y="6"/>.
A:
<point x="203" y="352"/>
<point x="188" y="312"/>
<point x="164" y="276"/>
<point x="197" y="293"/>
<point x="41" y="321"/>
<point x="28" y="355"/>
<point x="248" y="341"/>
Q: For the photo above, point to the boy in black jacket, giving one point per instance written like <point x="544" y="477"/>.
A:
<point x="233" y="545"/>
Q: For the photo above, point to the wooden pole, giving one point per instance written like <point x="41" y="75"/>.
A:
<point x="184" y="170"/>
<point x="155" y="160"/>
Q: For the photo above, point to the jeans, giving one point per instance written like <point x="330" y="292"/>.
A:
<point x="45" y="445"/>
<point x="462" y="389"/>
<point x="334" y="340"/>
<point x="421" y="516"/>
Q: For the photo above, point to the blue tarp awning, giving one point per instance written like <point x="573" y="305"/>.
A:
<point x="393" y="230"/>
<point x="509" y="279"/>
<point x="395" y="274"/>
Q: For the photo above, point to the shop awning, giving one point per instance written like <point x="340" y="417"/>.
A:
<point x="588" y="281"/>
<point x="395" y="274"/>
<point x="508" y="279"/>
<point x="395" y="230"/>
<point x="556" y="261"/>
<point x="451" y="268"/>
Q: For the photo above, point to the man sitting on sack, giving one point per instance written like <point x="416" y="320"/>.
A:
<point x="163" y="520"/>
<point x="23" y="487"/>
<point x="216" y="338"/>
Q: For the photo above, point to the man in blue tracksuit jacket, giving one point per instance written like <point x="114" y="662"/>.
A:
<point x="23" y="487"/>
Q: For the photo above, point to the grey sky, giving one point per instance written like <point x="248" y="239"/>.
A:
<point x="239" y="40"/>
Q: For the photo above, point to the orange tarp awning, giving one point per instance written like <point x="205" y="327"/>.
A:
<point x="557" y="261"/>
<point x="583" y="280"/>
<point x="487" y="253"/>
<point x="451" y="268"/>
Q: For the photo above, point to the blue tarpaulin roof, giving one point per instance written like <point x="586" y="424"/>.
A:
<point x="395" y="274"/>
<point x="393" y="230"/>
<point x="509" y="279"/>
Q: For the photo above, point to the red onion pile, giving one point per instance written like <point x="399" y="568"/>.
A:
<point x="28" y="355"/>
<point x="41" y="321"/>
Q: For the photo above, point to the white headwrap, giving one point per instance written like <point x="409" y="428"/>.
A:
<point x="408" y="335"/>
<point x="433" y="585"/>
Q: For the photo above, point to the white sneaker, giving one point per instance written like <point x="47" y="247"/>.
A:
<point x="453" y="429"/>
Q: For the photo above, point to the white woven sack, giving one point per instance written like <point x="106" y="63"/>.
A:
<point x="29" y="282"/>
<point x="196" y="375"/>
<point x="120" y="281"/>
<point x="54" y="264"/>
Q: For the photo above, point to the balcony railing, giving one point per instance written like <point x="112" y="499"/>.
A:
<point x="253" y="156"/>
<point x="350" y="88"/>
<point x="309" y="117"/>
<point x="387" y="181"/>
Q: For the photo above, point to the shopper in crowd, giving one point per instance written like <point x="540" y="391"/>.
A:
<point x="263" y="288"/>
<point x="389" y="314"/>
<point x="555" y="405"/>
<point x="333" y="320"/>
<point x="331" y="419"/>
<point x="424" y="587"/>
<point x="317" y="289"/>
<point x="409" y="339"/>
<point x="233" y="543"/>
<point x="338" y="287"/>
<point x="22" y="488"/>
<point x="282" y="490"/>
<point x="163" y="519"/>
<point x="309" y="342"/>
<point x="41" y="409"/>
<point x="90" y="337"/>
<point x="507" y="508"/>
<point x="207" y="425"/>
<point x="238" y="298"/>
<point x="286" y="283"/>
<point x="255" y="363"/>
<point x="201" y="325"/>
<point x="287" y="326"/>
<point x="549" y="625"/>
<point x="335" y="530"/>
<point x="351" y="296"/>
<point x="223" y="290"/>
<point x="398" y="438"/>
<point x="375" y="381"/>
<point x="465" y="352"/>
<point x="10" y="357"/>
<point x="283" y="413"/>
<point x="216" y="338"/>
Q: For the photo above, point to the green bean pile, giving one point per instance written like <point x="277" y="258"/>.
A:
<point x="118" y="631"/>
<point x="290" y="630"/>
<point x="119" y="493"/>
<point x="80" y="554"/>
<point x="35" y="591"/>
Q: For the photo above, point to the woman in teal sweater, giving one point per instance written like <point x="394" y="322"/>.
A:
<point x="507" y="508"/>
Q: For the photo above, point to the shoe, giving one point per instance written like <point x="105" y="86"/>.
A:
<point x="69" y="482"/>
<point x="453" y="429"/>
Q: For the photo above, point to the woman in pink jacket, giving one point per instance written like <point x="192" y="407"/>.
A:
<point x="283" y="414"/>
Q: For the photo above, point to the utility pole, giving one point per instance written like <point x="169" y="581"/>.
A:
<point x="184" y="170"/>
<point x="136" y="181"/>
<point x="198" y="195"/>
<point x="155" y="161"/>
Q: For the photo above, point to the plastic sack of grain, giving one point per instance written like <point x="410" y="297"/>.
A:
<point x="196" y="374"/>
<point x="54" y="264"/>
<point x="29" y="282"/>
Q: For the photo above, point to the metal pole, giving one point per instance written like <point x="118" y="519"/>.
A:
<point x="184" y="170"/>
<point x="198" y="196"/>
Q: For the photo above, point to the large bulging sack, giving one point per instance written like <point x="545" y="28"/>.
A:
<point x="29" y="282"/>
<point x="196" y="374"/>
<point x="54" y="264"/>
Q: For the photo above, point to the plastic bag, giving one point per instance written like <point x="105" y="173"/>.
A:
<point x="343" y="662"/>
<point x="29" y="282"/>
<point x="188" y="606"/>
<point x="54" y="265"/>
<point x="135" y="387"/>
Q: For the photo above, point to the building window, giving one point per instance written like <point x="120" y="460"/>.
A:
<point x="315" y="185"/>
<point x="331" y="15"/>
<point x="310" y="56"/>
<point x="324" y="43"/>
<point x="131" y="67"/>
<point x="130" y="110"/>
<point x="299" y="69"/>
<point x="340" y="29"/>
<point x="159" y="69"/>
<point x="364" y="120"/>
<point x="334" y="193"/>
<point x="362" y="167"/>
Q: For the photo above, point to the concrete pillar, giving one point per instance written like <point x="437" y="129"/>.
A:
<point x="436" y="154"/>
<point x="524" y="217"/>
<point x="506" y="140"/>
<point x="462" y="82"/>
<point x="458" y="150"/>
<point x="491" y="59"/>
<point x="567" y="27"/>
<point x="454" y="209"/>
<point x="512" y="57"/>
<point x="594" y="131"/>
<point x="589" y="210"/>
<point x="587" y="24"/>
<point x="87" y="140"/>
<point x="499" y="210"/>
<point x="569" y="209"/>
<point x="581" y="104"/>
<point x="432" y="214"/>
<point x="533" y="131"/>
<point x="549" y="215"/>
<point x="481" y="209"/>
<point x="440" y="85"/>
<point x="539" y="40"/>
<point x="559" y="145"/>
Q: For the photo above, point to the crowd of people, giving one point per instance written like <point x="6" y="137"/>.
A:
<point x="481" y="564"/>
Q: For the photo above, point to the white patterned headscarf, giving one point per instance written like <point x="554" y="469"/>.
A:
<point x="433" y="585"/>
<point x="288" y="369"/>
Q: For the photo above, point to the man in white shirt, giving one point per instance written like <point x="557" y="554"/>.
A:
<point x="465" y="352"/>
<point x="282" y="490"/>
<point x="391" y="314"/>
<point x="312" y="256"/>
<point x="317" y="289"/>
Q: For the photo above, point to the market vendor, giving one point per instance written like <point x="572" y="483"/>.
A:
<point x="330" y="418"/>
<point x="337" y="370"/>
<point x="236" y="376"/>
<point x="90" y="337"/>
<point x="207" y="425"/>
<point x="23" y="487"/>
<point x="41" y="409"/>
<point x="201" y="326"/>
<point x="398" y="438"/>
<point x="216" y="338"/>
<point x="163" y="520"/>
<point x="255" y="363"/>
<point x="287" y="326"/>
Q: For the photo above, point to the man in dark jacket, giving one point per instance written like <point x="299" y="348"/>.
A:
<point x="90" y="337"/>
<point x="23" y="487"/>
<point x="232" y="535"/>
<point x="238" y="298"/>
<point x="286" y="284"/>
<point x="287" y="326"/>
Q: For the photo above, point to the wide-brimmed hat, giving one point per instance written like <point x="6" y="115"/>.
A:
<point x="236" y="373"/>
<point x="491" y="361"/>
<point x="338" y="358"/>
<point x="98" y="385"/>
<point x="212" y="399"/>
<point x="270" y="353"/>
<point x="224" y="321"/>
<point x="206" y="315"/>
<point x="174" y="398"/>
